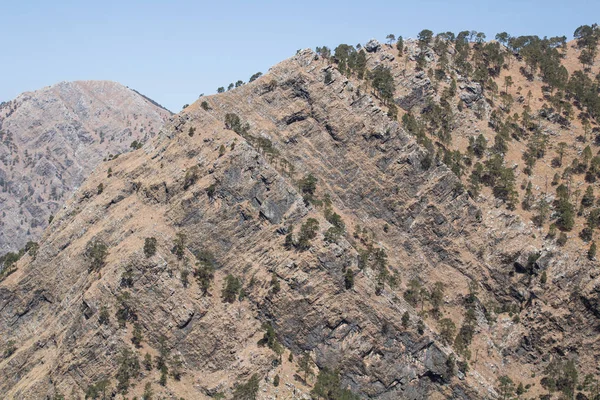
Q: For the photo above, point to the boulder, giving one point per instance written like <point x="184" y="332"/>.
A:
<point x="372" y="46"/>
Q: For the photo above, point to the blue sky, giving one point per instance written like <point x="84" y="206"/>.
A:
<point x="173" y="51"/>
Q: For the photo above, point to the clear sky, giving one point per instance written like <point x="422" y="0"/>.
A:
<point x="172" y="51"/>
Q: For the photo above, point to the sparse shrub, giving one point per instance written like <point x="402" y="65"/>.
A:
<point x="289" y="239"/>
<point x="349" y="279"/>
<point x="176" y="366"/>
<point x="248" y="390"/>
<point x="205" y="105"/>
<point x="96" y="252"/>
<point x="305" y="365"/>
<point x="9" y="349"/>
<point x="184" y="274"/>
<point x="420" y="327"/>
<point x="100" y="188"/>
<point x="97" y="390"/>
<point x="125" y="311"/>
<point x="191" y="176"/>
<point x="231" y="289"/>
<point x="275" y="285"/>
<point x="150" y="246"/>
<point x="276" y="381"/>
<point x="269" y="339"/>
<point x="308" y="231"/>
<point x="137" y="335"/>
<point x="129" y="368"/>
<point x="103" y="317"/>
<point x="211" y="190"/>
<point x="127" y="278"/>
<point x="148" y="362"/>
<point x="562" y="239"/>
<point x="405" y="319"/>
<point x="447" y="330"/>
<point x="192" y="130"/>
<point x="328" y="77"/>
<point x="592" y="251"/>
<point x="204" y="276"/>
<point x="148" y="393"/>
<point x="179" y="245"/>
<point x="543" y="278"/>
<point x="506" y="387"/>
<point x="329" y="386"/>
<point x="308" y="186"/>
<point x="255" y="76"/>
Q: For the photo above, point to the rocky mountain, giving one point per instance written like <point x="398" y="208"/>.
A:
<point x="51" y="139"/>
<point x="372" y="223"/>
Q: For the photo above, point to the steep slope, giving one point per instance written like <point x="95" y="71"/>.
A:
<point x="220" y="187"/>
<point x="51" y="139"/>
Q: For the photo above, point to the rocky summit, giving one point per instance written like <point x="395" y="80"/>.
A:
<point x="51" y="139"/>
<point x="411" y="220"/>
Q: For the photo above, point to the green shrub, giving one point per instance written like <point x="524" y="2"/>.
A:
<point x="308" y="231"/>
<point x="125" y="310"/>
<point x="275" y="285"/>
<point x="97" y="390"/>
<point x="329" y="386"/>
<point x="191" y="176"/>
<point x="150" y="246"/>
<point x="129" y="368"/>
<point x="137" y="335"/>
<point x="96" y="252"/>
<point x="248" y="390"/>
<point x="103" y="318"/>
<point x="204" y="276"/>
<point x="231" y="289"/>
<point x="179" y="245"/>
<point x="349" y="279"/>
<point x="9" y="349"/>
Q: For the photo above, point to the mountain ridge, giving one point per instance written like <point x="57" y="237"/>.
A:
<point x="325" y="229"/>
<point x="49" y="138"/>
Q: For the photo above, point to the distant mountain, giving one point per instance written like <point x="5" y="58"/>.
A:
<point x="51" y="139"/>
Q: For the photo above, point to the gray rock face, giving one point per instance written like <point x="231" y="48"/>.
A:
<point x="235" y="214"/>
<point x="416" y="89"/>
<point x="372" y="46"/>
<point x="471" y="93"/>
<point x="51" y="139"/>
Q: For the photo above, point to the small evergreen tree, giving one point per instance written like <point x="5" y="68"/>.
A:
<point x="305" y="365"/>
<point x="150" y="246"/>
<point x="592" y="251"/>
<point x="248" y="390"/>
<point x="405" y="319"/>
<point x="137" y="335"/>
<point x="349" y="279"/>
<point x="231" y="289"/>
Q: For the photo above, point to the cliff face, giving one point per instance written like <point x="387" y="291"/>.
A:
<point x="51" y="139"/>
<point x="234" y="197"/>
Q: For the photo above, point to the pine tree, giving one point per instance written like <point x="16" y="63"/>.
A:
<point x="405" y="319"/>
<point x="592" y="251"/>
<point x="305" y="365"/>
